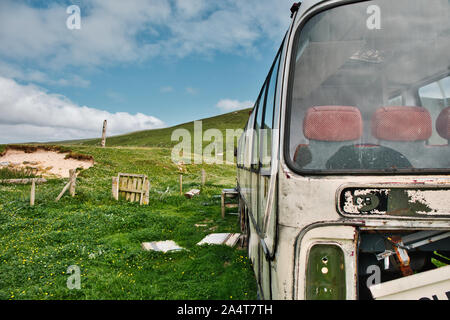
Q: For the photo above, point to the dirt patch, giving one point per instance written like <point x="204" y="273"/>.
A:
<point x="46" y="162"/>
<point x="34" y="148"/>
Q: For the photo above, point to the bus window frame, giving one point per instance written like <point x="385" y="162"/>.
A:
<point x="266" y="170"/>
<point x="257" y="168"/>
<point x="242" y="164"/>
<point x="290" y="67"/>
<point x="248" y="143"/>
<point x="254" y="167"/>
<point x="429" y="81"/>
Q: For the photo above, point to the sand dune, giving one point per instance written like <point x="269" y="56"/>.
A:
<point x="46" y="163"/>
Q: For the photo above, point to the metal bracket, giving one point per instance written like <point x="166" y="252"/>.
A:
<point x="412" y="241"/>
<point x="385" y="256"/>
<point x="295" y="8"/>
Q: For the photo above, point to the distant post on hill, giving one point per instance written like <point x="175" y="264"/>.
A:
<point x="104" y="133"/>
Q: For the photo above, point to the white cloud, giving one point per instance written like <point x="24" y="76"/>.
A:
<point x="232" y="105"/>
<point x="36" y="76"/>
<point x="108" y="33"/>
<point x="112" y="33"/>
<point x="137" y="30"/>
<point x="191" y="8"/>
<point x="28" y="113"/>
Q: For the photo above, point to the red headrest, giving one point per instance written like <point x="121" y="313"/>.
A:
<point x="333" y="123"/>
<point x="402" y="124"/>
<point x="443" y="124"/>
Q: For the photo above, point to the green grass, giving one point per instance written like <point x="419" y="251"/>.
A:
<point x="13" y="173"/>
<point x="103" y="237"/>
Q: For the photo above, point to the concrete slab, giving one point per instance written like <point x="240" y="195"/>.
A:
<point x="192" y="193"/>
<point x="229" y="239"/>
<point x="161" y="246"/>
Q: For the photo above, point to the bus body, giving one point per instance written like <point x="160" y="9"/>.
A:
<point x="344" y="165"/>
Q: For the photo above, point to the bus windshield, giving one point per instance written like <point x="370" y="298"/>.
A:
<point x="370" y="89"/>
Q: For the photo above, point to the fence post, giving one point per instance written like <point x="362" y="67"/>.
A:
<point x="146" y="195"/>
<point x="63" y="191"/>
<point x="33" y="192"/>
<point x="115" y="188"/>
<point x="203" y="177"/>
<point x="73" y="182"/>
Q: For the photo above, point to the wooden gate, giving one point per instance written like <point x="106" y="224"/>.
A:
<point x="131" y="187"/>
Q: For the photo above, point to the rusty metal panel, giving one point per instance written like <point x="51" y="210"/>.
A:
<point x="395" y="201"/>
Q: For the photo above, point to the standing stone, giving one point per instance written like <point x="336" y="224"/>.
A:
<point x="104" y="133"/>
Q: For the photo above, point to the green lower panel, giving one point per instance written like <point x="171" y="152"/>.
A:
<point x="325" y="274"/>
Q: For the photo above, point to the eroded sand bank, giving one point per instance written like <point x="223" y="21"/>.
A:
<point x="46" y="163"/>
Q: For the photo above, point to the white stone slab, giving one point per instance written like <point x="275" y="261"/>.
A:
<point x="161" y="246"/>
<point x="192" y="193"/>
<point x="229" y="239"/>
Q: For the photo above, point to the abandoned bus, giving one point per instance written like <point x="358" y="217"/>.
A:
<point x="344" y="165"/>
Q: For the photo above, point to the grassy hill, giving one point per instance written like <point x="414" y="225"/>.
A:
<point x="103" y="237"/>
<point x="162" y="137"/>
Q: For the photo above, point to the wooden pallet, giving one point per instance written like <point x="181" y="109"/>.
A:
<point x="131" y="187"/>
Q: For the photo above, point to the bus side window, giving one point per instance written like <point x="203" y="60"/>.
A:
<point x="240" y="154"/>
<point x="266" y="133"/>
<point x="248" y="140"/>
<point x="435" y="97"/>
<point x="258" y="124"/>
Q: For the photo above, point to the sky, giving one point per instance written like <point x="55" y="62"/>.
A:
<point x="140" y="64"/>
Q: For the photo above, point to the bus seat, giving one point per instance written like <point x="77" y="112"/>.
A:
<point x="404" y="129"/>
<point x="443" y="124"/>
<point x="406" y="124"/>
<point x="333" y="123"/>
<point x="328" y="128"/>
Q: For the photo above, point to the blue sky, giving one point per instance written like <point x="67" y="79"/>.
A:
<point x="141" y="64"/>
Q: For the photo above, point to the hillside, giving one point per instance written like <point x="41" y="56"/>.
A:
<point x="103" y="237"/>
<point x="162" y="137"/>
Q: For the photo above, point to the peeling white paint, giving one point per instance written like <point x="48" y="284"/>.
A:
<point x="437" y="200"/>
<point x="355" y="208"/>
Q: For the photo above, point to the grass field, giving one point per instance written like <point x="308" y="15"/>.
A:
<point x="16" y="174"/>
<point x="103" y="237"/>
